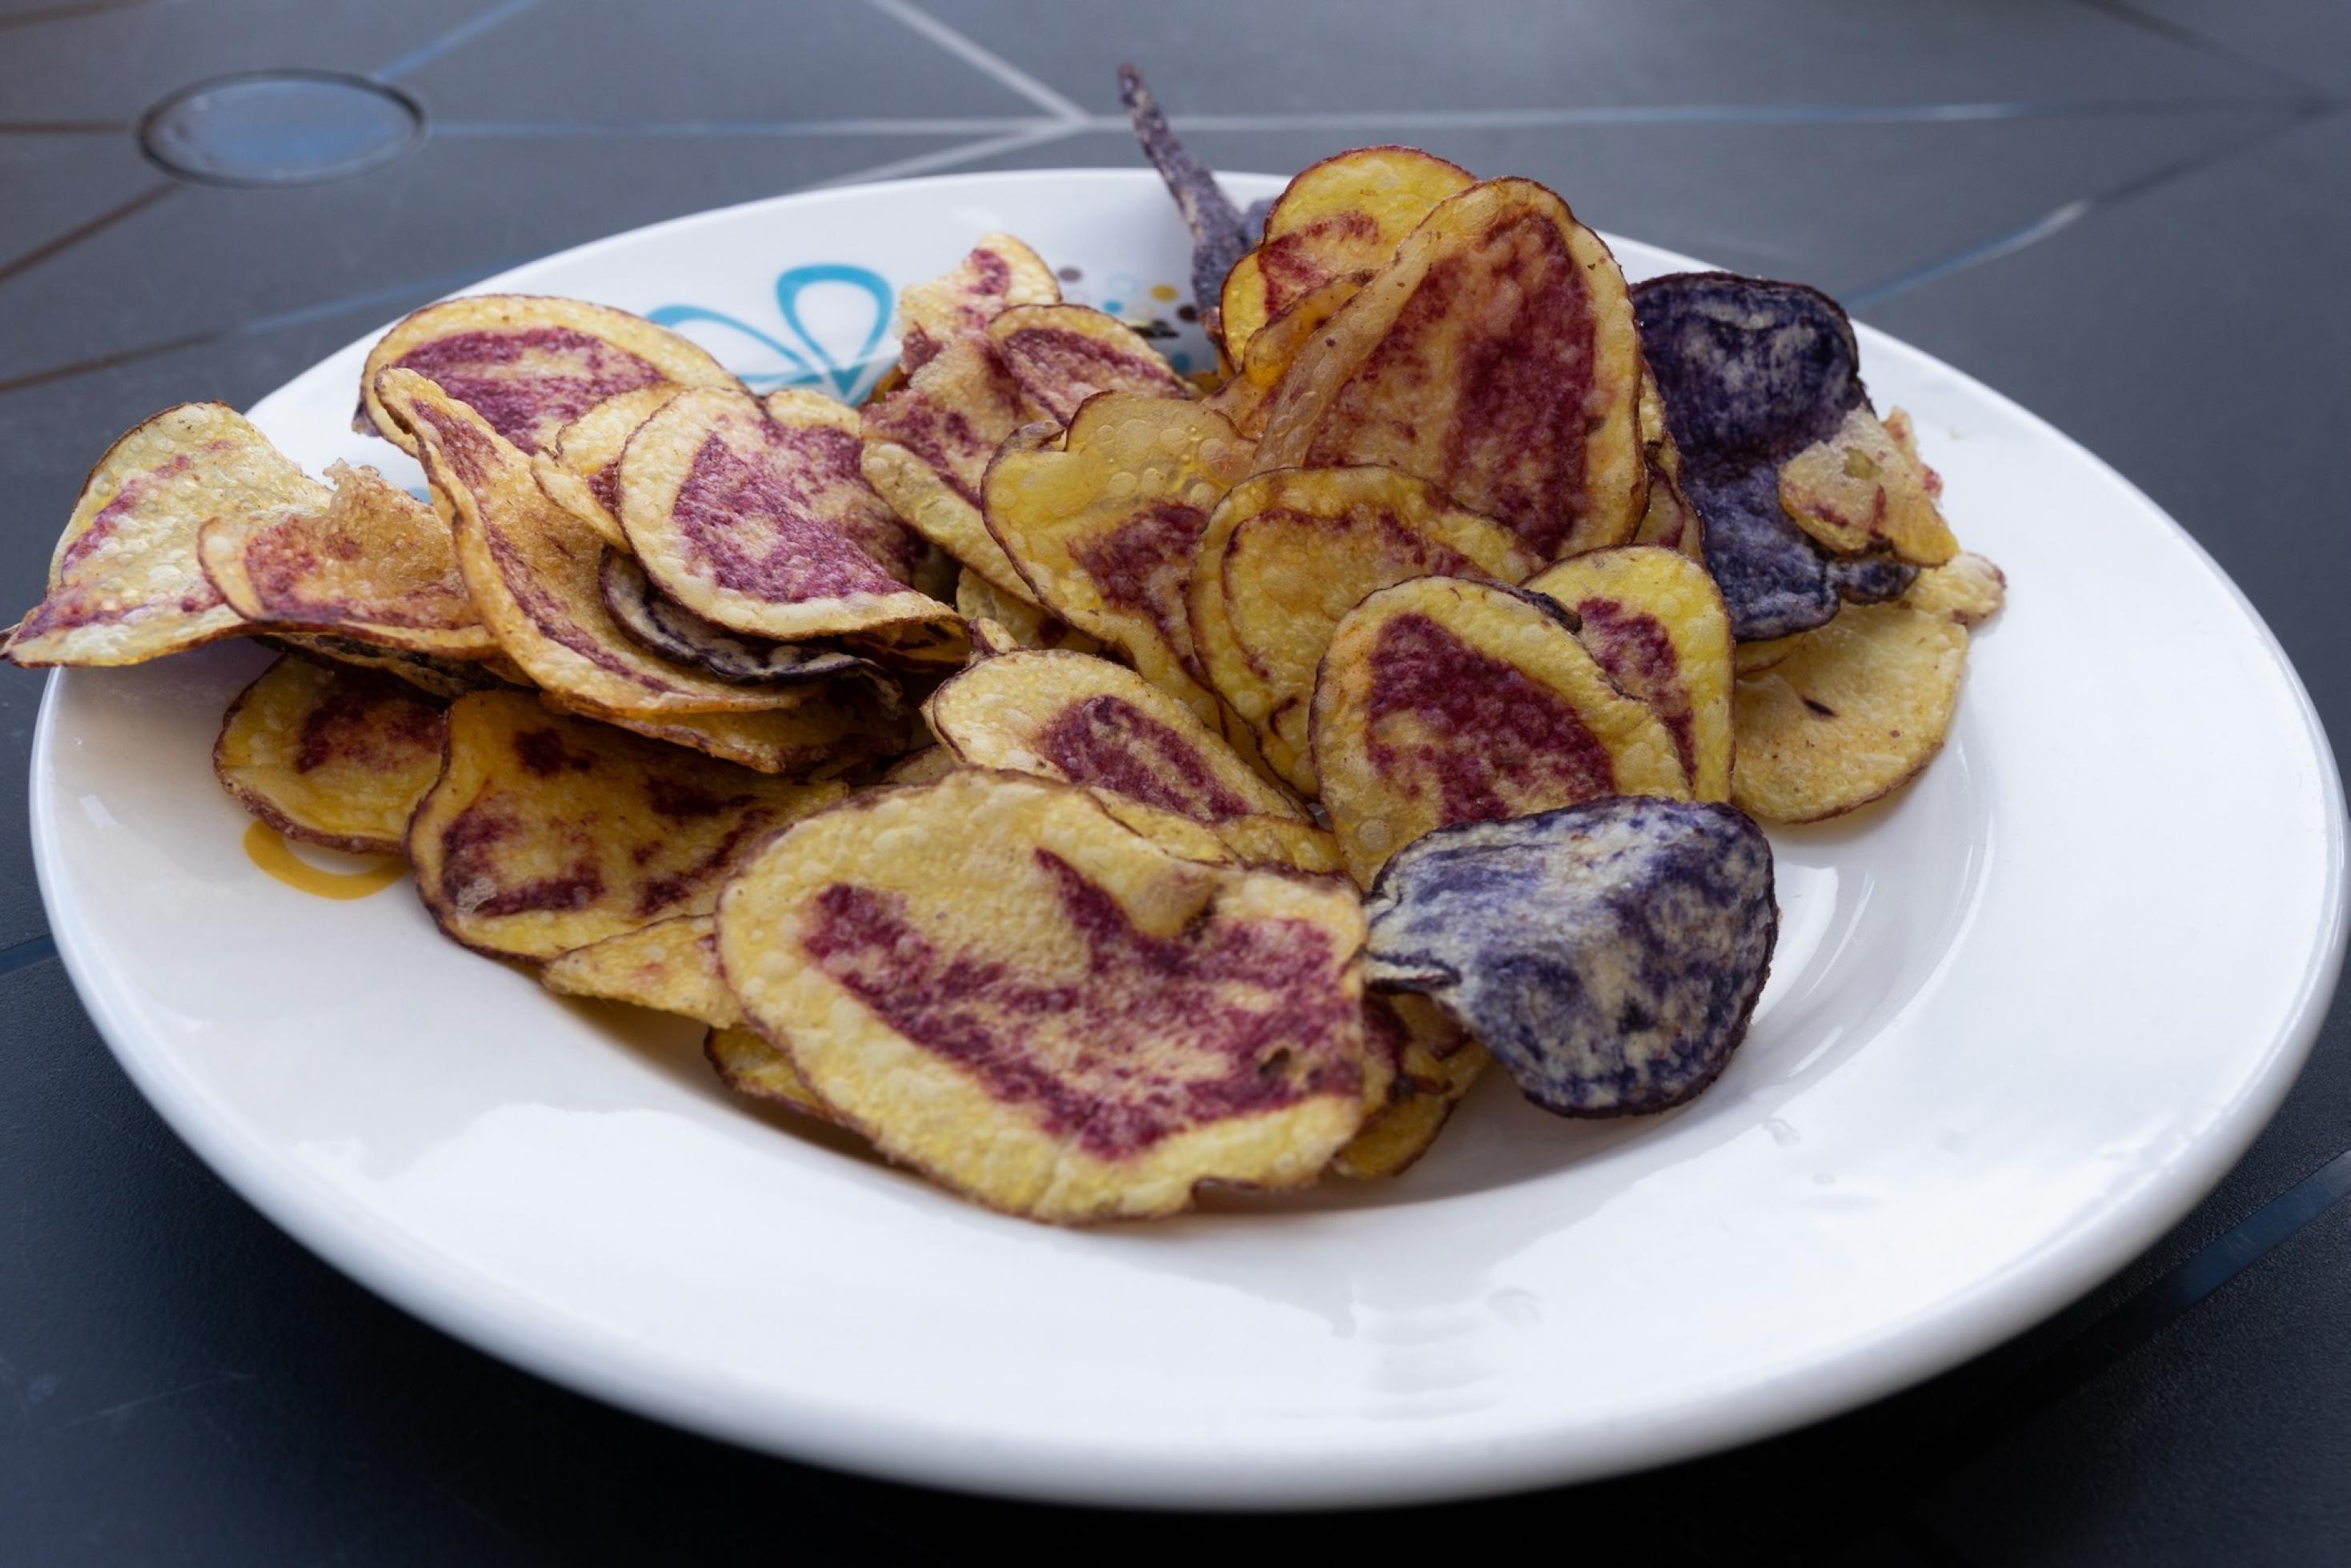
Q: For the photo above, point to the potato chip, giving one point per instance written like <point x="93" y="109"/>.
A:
<point x="1274" y="347"/>
<point x="924" y="766"/>
<point x="997" y="272"/>
<point x="1853" y="712"/>
<point x="928" y="444"/>
<point x="976" y="598"/>
<point x="1103" y="520"/>
<point x="653" y="621"/>
<point x="1752" y="658"/>
<point x="1496" y="356"/>
<point x="1905" y="435"/>
<point x="545" y="833"/>
<point x="1286" y="554"/>
<point x="1064" y="354"/>
<point x="581" y="468"/>
<point x="1859" y="490"/>
<point x="671" y="967"/>
<point x="529" y="364"/>
<point x="333" y="757"/>
<point x="1437" y="1065"/>
<point x="1608" y="955"/>
<point x="1219" y="233"/>
<point x="1443" y="700"/>
<point x="1655" y="622"/>
<point x="1967" y="589"/>
<point x="437" y="677"/>
<point x="373" y="565"/>
<point x="125" y="584"/>
<point x="751" y="1066"/>
<point x="1344" y="215"/>
<point x="1670" y="519"/>
<point x="757" y="519"/>
<point x="1001" y="984"/>
<point x="831" y="730"/>
<point x="1085" y="720"/>
<point x="533" y="571"/>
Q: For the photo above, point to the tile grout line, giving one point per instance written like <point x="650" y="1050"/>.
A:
<point x="75" y="235"/>
<point x="1035" y="135"/>
<point x="67" y="12"/>
<point x="2187" y="37"/>
<point x="980" y="57"/>
<point x="25" y="954"/>
<point x="425" y="54"/>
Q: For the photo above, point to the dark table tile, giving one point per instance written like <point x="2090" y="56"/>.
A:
<point x="2306" y="45"/>
<point x="52" y="185"/>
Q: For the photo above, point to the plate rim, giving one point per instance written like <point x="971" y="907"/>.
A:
<point x="447" y="1296"/>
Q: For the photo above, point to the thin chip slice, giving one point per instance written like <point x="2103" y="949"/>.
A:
<point x="1064" y="354"/>
<point x="446" y="678"/>
<point x="1103" y="520"/>
<point x="671" y="967"/>
<point x="1859" y="490"/>
<point x="533" y="569"/>
<point x="581" y="468"/>
<point x="545" y="833"/>
<point x="757" y="518"/>
<point x="529" y="364"/>
<point x="1437" y="1065"/>
<point x="1853" y="712"/>
<point x="751" y="1066"/>
<point x="976" y="598"/>
<point x="125" y="584"/>
<point x="1286" y="554"/>
<point x="1608" y="955"/>
<point x="1443" y="700"/>
<point x="1967" y="589"/>
<point x="1274" y="347"/>
<point x="1219" y="233"/>
<point x="333" y="757"/>
<point x="1001" y="984"/>
<point x="1085" y="720"/>
<point x="928" y="444"/>
<point x="656" y="622"/>
<point x="374" y="564"/>
<point x="1345" y="213"/>
<point x="1496" y="356"/>
<point x="1655" y="622"/>
<point x="1671" y="518"/>
<point x="997" y="274"/>
<point x="924" y="766"/>
<point x="831" y="731"/>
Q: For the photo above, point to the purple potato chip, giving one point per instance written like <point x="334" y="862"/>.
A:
<point x="1871" y="579"/>
<point x="1220" y="234"/>
<point x="659" y="623"/>
<point x="1608" y="955"/>
<point x="1752" y="373"/>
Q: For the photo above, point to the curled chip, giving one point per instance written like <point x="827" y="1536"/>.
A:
<point x="1495" y="358"/>
<point x="1437" y="1064"/>
<point x="976" y="598"/>
<point x="533" y="569"/>
<point x="373" y="565"/>
<point x="125" y="584"/>
<point x="529" y="364"/>
<point x="1286" y="554"/>
<point x="1670" y="519"/>
<point x="545" y="833"/>
<point x="1608" y="955"/>
<point x="1967" y="589"/>
<point x="1860" y="490"/>
<point x="581" y="469"/>
<point x="758" y="518"/>
<point x="671" y="967"/>
<point x="1219" y="233"/>
<point x="997" y="272"/>
<point x="333" y="757"/>
<point x="1443" y="700"/>
<point x="437" y="677"/>
<point x="656" y="622"/>
<point x="1000" y="984"/>
<point x="1064" y="354"/>
<point x="1344" y="215"/>
<point x="1856" y="709"/>
<point x="751" y="1067"/>
<point x="829" y="731"/>
<point x="928" y="444"/>
<point x="1653" y="619"/>
<point x="1103" y="520"/>
<point x="1088" y="721"/>
<point x="1274" y="347"/>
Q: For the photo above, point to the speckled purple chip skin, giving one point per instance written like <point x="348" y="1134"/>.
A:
<point x="1608" y="955"/>
<point x="1752" y="373"/>
<point x="660" y="624"/>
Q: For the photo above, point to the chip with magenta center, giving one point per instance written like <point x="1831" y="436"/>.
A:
<point x="661" y="624"/>
<point x="928" y="444"/>
<point x="1064" y="354"/>
<point x="581" y="468"/>
<point x="332" y="756"/>
<point x="1608" y="954"/>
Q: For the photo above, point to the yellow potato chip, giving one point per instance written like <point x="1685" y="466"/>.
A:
<point x="751" y="1066"/>
<point x="125" y="584"/>
<point x="1103" y="520"/>
<point x="1656" y="621"/>
<point x="1905" y="433"/>
<point x="1855" y="710"/>
<point x="924" y="767"/>
<point x="1345" y="213"/>
<point x="976" y="598"/>
<point x="757" y="519"/>
<point x="529" y="364"/>
<point x="1001" y="984"/>
<point x="1064" y="354"/>
<point x="545" y="833"/>
<point x="534" y="572"/>
<point x="1495" y="357"/>
<point x="1859" y="490"/>
<point x="1967" y="589"/>
<point x="1286" y="554"/>
<point x="999" y="272"/>
<point x="581" y="468"/>
<point x="1273" y="347"/>
<point x="828" y="731"/>
<point x="1437" y="1065"/>
<point x="928" y="444"/>
<point x="1670" y="519"/>
<point x="1443" y="700"/>
<point x="333" y="757"/>
<point x="374" y="564"/>
<point x="438" y="677"/>
<point x="671" y="967"/>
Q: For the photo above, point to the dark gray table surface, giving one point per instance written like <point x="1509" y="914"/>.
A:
<point x="2133" y="215"/>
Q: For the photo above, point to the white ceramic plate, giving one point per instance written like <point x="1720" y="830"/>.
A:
<point x="2021" y="1017"/>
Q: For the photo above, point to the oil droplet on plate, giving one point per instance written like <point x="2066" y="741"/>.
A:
<point x="265" y="847"/>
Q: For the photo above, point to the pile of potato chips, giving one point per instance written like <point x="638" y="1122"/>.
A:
<point x="999" y="771"/>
